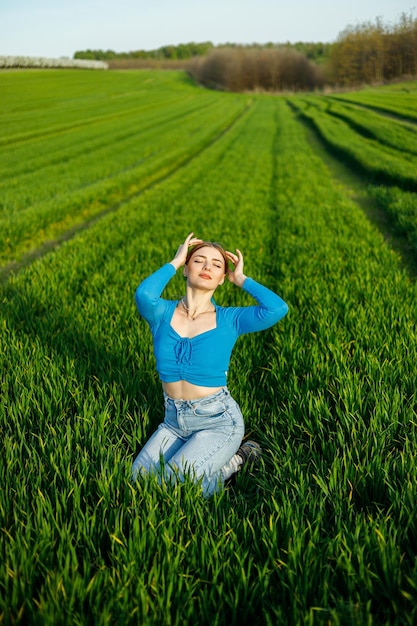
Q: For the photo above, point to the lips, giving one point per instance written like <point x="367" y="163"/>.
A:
<point x="206" y="276"/>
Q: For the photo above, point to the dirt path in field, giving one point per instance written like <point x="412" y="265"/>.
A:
<point x="356" y="189"/>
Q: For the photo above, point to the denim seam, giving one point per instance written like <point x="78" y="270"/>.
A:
<point x="214" y="452"/>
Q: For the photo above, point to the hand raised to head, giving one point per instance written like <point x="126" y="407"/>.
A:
<point x="181" y="254"/>
<point x="236" y="276"/>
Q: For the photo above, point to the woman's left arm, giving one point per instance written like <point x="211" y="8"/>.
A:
<point x="270" y="309"/>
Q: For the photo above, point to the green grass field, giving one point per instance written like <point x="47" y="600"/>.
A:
<point x="103" y="175"/>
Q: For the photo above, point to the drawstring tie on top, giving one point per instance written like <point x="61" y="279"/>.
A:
<point x="183" y="350"/>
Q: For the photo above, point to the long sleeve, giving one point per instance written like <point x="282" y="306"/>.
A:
<point x="148" y="294"/>
<point x="270" y="309"/>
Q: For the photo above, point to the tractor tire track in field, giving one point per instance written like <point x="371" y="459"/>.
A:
<point x="15" y="267"/>
<point x="406" y="183"/>
<point x="370" y="134"/>
<point x="356" y="189"/>
<point x="386" y="112"/>
<point x="69" y="127"/>
<point x="91" y="146"/>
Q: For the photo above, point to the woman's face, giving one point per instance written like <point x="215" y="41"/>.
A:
<point x="205" y="268"/>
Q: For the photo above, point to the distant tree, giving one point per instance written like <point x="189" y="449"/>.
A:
<point x="374" y="52"/>
<point x="244" y="69"/>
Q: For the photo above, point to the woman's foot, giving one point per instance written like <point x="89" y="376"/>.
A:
<point x="250" y="452"/>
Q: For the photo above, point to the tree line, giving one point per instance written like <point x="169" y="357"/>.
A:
<point x="368" y="53"/>
<point x="375" y="52"/>
<point x="316" y="52"/>
<point x="180" y="52"/>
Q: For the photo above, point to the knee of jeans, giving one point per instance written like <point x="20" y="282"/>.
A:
<point x="143" y="464"/>
<point x="211" y="484"/>
<point x="136" y="471"/>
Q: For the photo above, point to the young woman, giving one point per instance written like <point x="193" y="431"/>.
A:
<point x="203" y="428"/>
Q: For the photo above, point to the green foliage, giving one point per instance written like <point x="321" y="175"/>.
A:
<point x="324" y="532"/>
<point x="181" y="51"/>
<point x="315" y="51"/>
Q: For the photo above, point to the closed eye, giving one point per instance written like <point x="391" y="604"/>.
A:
<point x="202" y="260"/>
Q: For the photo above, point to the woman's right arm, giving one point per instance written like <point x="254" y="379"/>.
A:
<point x="148" y="294"/>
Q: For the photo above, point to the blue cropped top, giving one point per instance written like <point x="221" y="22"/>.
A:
<point x="204" y="359"/>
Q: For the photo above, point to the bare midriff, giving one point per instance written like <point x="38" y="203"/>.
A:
<point x="182" y="390"/>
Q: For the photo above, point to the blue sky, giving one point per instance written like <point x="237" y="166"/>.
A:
<point x="57" y="28"/>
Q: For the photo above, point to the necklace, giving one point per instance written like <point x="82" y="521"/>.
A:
<point x="195" y="314"/>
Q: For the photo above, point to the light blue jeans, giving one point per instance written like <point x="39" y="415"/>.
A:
<point x="197" y="437"/>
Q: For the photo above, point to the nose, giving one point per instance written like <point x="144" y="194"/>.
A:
<point x="207" y="264"/>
